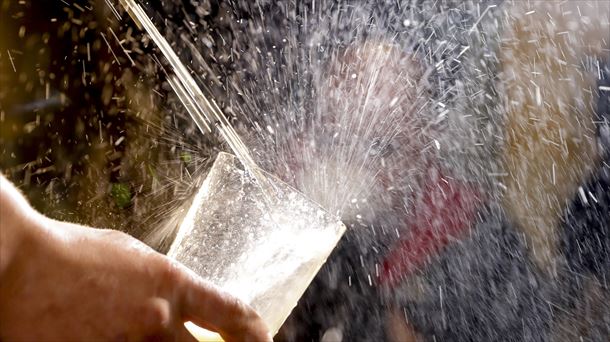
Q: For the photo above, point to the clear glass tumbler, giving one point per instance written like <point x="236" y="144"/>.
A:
<point x="263" y="246"/>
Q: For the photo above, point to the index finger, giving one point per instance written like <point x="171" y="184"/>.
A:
<point x="212" y="308"/>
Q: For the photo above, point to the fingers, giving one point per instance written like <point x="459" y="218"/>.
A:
<point x="209" y="307"/>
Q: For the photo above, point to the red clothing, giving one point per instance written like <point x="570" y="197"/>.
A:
<point x="443" y="213"/>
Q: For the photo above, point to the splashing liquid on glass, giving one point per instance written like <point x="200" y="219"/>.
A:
<point x="203" y="110"/>
<point x="261" y="260"/>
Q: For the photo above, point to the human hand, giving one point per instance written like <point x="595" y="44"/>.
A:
<point x="67" y="282"/>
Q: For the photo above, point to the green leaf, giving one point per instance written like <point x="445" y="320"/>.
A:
<point x="186" y="157"/>
<point x="121" y="194"/>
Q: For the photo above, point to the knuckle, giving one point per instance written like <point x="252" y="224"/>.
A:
<point x="157" y="315"/>
<point x="168" y="271"/>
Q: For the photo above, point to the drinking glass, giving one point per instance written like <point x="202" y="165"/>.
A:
<point x="259" y="239"/>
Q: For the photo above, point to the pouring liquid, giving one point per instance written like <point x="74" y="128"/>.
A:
<point x="289" y="236"/>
